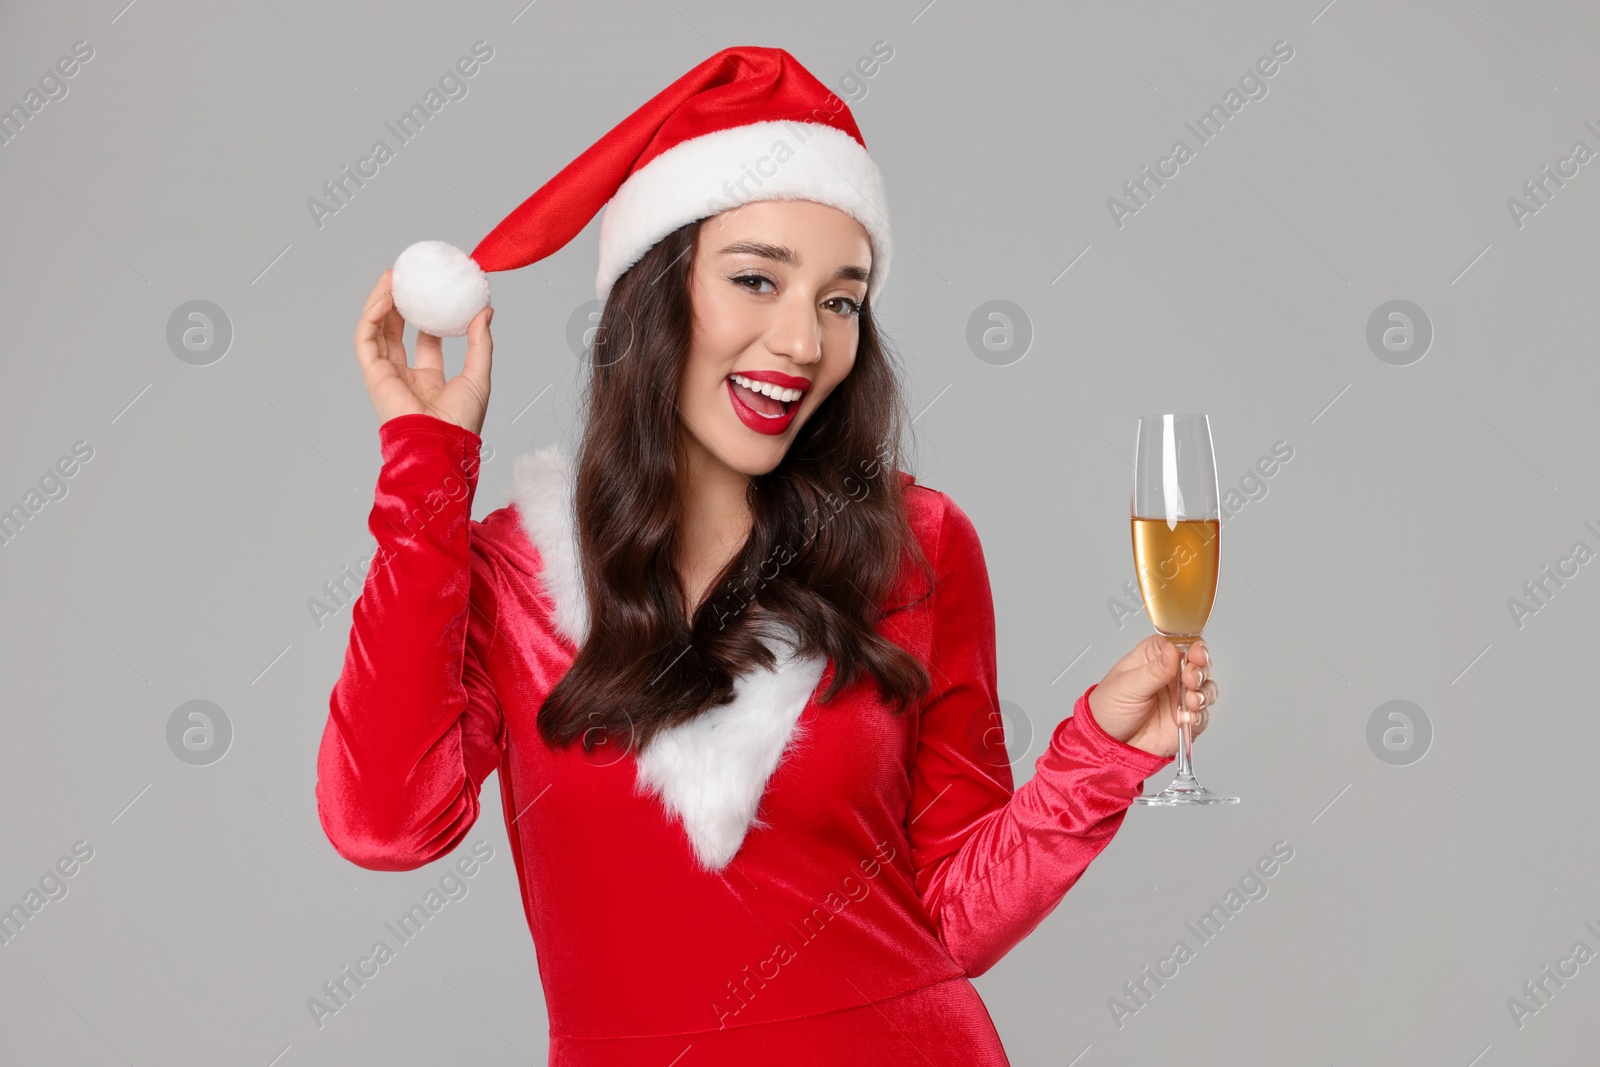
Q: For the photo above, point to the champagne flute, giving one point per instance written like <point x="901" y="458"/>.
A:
<point x="1176" y="526"/>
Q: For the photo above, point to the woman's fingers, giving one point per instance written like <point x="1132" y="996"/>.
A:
<point x="430" y="354"/>
<point x="394" y="336"/>
<point x="480" y="353"/>
<point x="1202" y="696"/>
<point x="370" y="340"/>
<point x="1198" y="668"/>
<point x="1194" y="677"/>
<point x="1205" y="698"/>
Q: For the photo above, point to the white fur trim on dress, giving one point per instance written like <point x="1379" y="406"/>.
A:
<point x="712" y="771"/>
<point x="541" y="489"/>
<point x="721" y="170"/>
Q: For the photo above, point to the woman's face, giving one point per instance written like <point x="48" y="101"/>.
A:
<point x="776" y="286"/>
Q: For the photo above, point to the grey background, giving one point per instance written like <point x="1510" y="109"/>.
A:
<point x="1376" y="567"/>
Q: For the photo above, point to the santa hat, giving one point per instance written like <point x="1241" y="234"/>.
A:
<point x="747" y="124"/>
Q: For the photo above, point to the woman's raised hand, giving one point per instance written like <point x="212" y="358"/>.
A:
<point x="397" y="389"/>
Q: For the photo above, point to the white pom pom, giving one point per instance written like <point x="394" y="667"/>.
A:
<point x="439" y="288"/>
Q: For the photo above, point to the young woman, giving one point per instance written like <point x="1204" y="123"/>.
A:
<point x="735" y="668"/>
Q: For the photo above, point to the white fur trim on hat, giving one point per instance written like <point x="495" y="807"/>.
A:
<point x="438" y="288"/>
<point x="721" y="170"/>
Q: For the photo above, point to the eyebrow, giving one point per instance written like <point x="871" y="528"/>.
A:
<point x="784" y="254"/>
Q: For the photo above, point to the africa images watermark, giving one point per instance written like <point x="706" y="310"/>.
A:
<point x="736" y="191"/>
<point x="52" y="87"/>
<point x="52" y="486"/>
<point x="1537" y="990"/>
<point x="729" y="605"/>
<point x="1252" y="887"/>
<point x="1252" y="486"/>
<point x="1542" y="189"/>
<point x="343" y="589"/>
<point x="52" y="886"/>
<point x="1252" y="86"/>
<point x="452" y="85"/>
<point x="337" y="992"/>
<point x="851" y="890"/>
<point x="1542" y="588"/>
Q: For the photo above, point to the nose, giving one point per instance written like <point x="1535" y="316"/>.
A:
<point x="794" y="331"/>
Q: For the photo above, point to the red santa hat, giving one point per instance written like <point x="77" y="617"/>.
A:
<point x="746" y="124"/>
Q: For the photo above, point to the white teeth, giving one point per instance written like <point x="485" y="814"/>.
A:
<point x="776" y="392"/>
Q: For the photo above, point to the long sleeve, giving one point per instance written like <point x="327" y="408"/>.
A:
<point x="992" y="862"/>
<point x="414" y="726"/>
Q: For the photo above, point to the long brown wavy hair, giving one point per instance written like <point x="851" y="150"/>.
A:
<point x="829" y="541"/>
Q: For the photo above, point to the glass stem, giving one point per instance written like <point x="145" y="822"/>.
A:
<point x="1185" y="768"/>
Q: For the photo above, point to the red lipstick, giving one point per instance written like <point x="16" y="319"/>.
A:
<point x="778" y="378"/>
<point x="757" y="421"/>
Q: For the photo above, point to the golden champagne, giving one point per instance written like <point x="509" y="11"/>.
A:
<point x="1177" y="568"/>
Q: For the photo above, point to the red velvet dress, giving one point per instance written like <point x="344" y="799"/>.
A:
<point x="890" y="857"/>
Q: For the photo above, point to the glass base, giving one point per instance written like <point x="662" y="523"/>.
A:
<point x="1183" y="792"/>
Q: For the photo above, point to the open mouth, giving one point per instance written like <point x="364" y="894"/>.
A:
<point x="765" y="407"/>
<point x="768" y="401"/>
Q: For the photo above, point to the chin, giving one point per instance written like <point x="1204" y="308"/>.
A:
<point x="754" y="458"/>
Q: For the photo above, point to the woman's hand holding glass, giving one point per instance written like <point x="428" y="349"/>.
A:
<point x="1137" y="702"/>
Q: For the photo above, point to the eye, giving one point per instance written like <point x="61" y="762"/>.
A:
<point x="741" y="279"/>
<point x="851" y="307"/>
